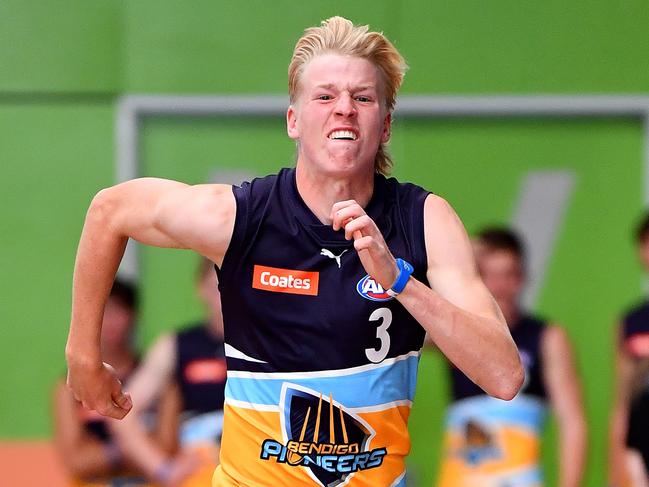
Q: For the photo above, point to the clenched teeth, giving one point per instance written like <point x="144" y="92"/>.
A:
<point x="342" y="134"/>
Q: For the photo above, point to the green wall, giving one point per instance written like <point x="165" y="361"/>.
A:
<point x="63" y="65"/>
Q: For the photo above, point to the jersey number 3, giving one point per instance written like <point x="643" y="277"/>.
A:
<point x="384" y="315"/>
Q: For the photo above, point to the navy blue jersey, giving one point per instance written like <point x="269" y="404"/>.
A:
<point x="200" y="369"/>
<point x="320" y="358"/>
<point x="493" y="442"/>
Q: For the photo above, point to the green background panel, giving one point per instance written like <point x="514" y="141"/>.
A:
<point x="525" y="47"/>
<point x="226" y="46"/>
<point x="58" y="156"/>
<point x="60" y="46"/>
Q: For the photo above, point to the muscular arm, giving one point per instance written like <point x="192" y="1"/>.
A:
<point x="564" y="391"/>
<point x="457" y="312"/>
<point x="155" y="212"/>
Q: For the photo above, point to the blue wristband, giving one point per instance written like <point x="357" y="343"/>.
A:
<point x="405" y="271"/>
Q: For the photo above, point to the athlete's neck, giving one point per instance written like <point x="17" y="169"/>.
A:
<point x="320" y="191"/>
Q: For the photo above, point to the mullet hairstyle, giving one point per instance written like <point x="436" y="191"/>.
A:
<point x="338" y="35"/>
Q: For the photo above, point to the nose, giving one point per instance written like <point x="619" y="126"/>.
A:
<point x="345" y="106"/>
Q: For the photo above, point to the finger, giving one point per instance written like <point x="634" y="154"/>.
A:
<point x="339" y="205"/>
<point x="123" y="400"/>
<point x="112" y="410"/>
<point x="365" y="243"/>
<point x="341" y="216"/>
<point x="362" y="226"/>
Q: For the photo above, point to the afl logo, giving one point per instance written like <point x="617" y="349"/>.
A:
<point x="372" y="290"/>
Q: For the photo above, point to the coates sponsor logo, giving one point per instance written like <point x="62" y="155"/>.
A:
<point x="285" y="280"/>
<point x="206" y="370"/>
<point x="372" y="290"/>
<point x="321" y="436"/>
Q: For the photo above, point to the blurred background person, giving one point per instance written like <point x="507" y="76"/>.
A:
<point x="82" y="437"/>
<point x="489" y="442"/>
<point x="630" y="416"/>
<point x="194" y="360"/>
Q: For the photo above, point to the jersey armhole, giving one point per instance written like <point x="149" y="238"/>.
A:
<point x="233" y="252"/>
<point x="417" y="228"/>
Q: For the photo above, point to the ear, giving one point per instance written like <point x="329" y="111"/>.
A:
<point x="387" y="128"/>
<point x="291" y="123"/>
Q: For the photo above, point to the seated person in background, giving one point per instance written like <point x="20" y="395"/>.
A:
<point x="630" y="417"/>
<point x="81" y="436"/>
<point x="193" y="358"/>
<point x="490" y="442"/>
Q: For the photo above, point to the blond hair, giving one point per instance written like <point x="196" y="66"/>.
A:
<point x="339" y="36"/>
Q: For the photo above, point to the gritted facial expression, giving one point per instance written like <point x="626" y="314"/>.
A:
<point x="502" y="273"/>
<point x="339" y="117"/>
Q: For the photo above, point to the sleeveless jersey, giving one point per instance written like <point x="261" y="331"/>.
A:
<point x="201" y="375"/>
<point x="495" y="443"/>
<point x="635" y="333"/>
<point x="322" y="363"/>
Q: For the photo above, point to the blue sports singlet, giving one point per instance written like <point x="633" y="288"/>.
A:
<point x="490" y="442"/>
<point x="322" y="363"/>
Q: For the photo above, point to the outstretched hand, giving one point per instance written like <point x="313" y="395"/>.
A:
<point x="374" y="253"/>
<point x="98" y="388"/>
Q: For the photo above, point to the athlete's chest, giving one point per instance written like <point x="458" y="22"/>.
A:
<point x="313" y="294"/>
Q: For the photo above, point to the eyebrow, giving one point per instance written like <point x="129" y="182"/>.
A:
<point x="331" y="86"/>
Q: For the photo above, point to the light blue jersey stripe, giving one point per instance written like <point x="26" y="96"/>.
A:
<point x="527" y="478"/>
<point x="401" y="481"/>
<point x="383" y="384"/>
<point x="522" y="411"/>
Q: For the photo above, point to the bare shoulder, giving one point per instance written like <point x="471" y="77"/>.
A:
<point x="438" y="209"/>
<point x="200" y="217"/>
<point x="447" y="243"/>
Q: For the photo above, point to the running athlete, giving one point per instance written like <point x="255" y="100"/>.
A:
<point x="330" y="275"/>
<point x="194" y="360"/>
<point x="630" y="417"/>
<point x="490" y="442"/>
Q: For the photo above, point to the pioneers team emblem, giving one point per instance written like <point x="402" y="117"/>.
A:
<point x="479" y="445"/>
<point x="321" y="436"/>
<point x="372" y="290"/>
